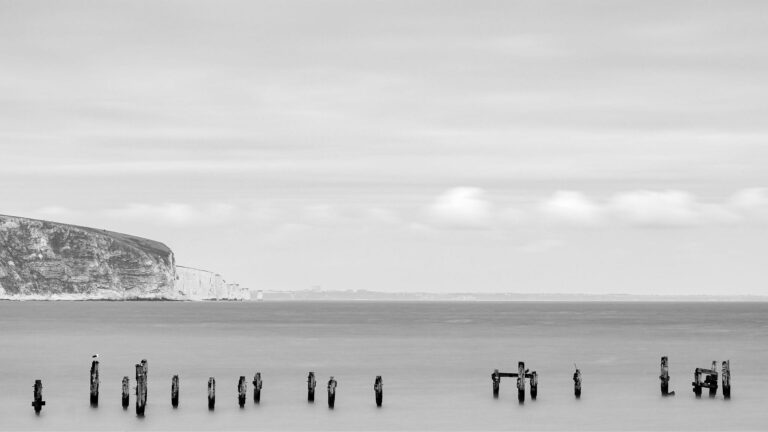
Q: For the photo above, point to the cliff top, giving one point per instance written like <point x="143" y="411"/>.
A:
<point x="147" y="245"/>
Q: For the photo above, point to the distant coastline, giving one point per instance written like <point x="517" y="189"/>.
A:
<point x="366" y="295"/>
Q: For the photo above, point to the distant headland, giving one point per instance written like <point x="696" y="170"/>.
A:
<point x="42" y="260"/>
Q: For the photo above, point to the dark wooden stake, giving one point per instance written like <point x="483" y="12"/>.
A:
<point x="496" y="379"/>
<point x="211" y="393"/>
<point x="257" y="387"/>
<point x="126" y="390"/>
<point x="577" y="383"/>
<point x="331" y="393"/>
<point x="727" y="379"/>
<point x="37" y="396"/>
<point x="141" y="387"/>
<point x="710" y="380"/>
<point x="664" y="377"/>
<point x="534" y="377"/>
<point x="521" y="382"/>
<point x="175" y="391"/>
<point x="311" y="383"/>
<point x="378" y="388"/>
<point x="95" y="383"/>
<point x="242" y="391"/>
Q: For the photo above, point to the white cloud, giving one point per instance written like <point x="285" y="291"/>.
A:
<point x="571" y="208"/>
<point x="462" y="207"/>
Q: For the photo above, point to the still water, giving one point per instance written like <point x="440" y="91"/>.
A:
<point x="435" y="359"/>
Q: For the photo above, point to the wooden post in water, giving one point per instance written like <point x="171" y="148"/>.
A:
<point x="577" y="383"/>
<point x="664" y="377"/>
<point x="141" y="388"/>
<point x="311" y="383"/>
<point x="175" y="391"/>
<point x="37" y="396"/>
<point x="727" y="379"/>
<point x="211" y="393"/>
<point x="257" y="387"/>
<point x="331" y="393"/>
<point x="712" y="380"/>
<point x="378" y="388"/>
<point x="95" y="383"/>
<point x="126" y="390"/>
<point x="521" y="382"/>
<point x="534" y="385"/>
<point x="496" y="379"/>
<point x="242" y="390"/>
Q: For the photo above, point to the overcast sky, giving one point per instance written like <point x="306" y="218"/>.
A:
<point x="541" y="146"/>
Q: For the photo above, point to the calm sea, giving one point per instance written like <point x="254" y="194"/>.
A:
<point x="435" y="359"/>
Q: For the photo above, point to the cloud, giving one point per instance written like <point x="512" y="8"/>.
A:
<point x="175" y="213"/>
<point x="571" y="208"/>
<point x="461" y="207"/>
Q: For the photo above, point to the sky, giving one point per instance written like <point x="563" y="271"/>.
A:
<point x="440" y="146"/>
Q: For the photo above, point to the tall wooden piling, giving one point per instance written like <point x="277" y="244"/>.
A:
<point x="95" y="383"/>
<point x="727" y="379"/>
<point x="37" y="396"/>
<point x="242" y="391"/>
<point x="311" y="384"/>
<point x="257" y="387"/>
<point x="211" y="393"/>
<point x="378" y="389"/>
<point x="496" y="380"/>
<point x="331" y="393"/>
<point x="175" y="391"/>
<point x="534" y="385"/>
<point x="664" y="376"/>
<point x="521" y="382"/>
<point x="141" y="388"/>
<point x="577" y="383"/>
<point x="126" y="390"/>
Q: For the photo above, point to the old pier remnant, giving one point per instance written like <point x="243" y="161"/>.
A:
<point x="521" y="374"/>
<point x="141" y="387"/>
<point x="332" y="392"/>
<point x="727" y="379"/>
<point x="242" y="390"/>
<point x="257" y="387"/>
<point x="37" y="396"/>
<point x="175" y="391"/>
<point x="211" y="393"/>
<point x="95" y="383"/>
<point x="664" y="377"/>
<point x="311" y="384"/>
<point x="710" y="380"/>
<point x="378" y="389"/>
<point x="577" y="383"/>
<point x="126" y="390"/>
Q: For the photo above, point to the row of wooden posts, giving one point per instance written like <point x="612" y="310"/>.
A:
<point x="242" y="389"/>
<point x="709" y="380"/>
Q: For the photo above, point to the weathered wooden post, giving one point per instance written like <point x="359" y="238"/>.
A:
<point x="211" y="393"/>
<point x="577" y="383"/>
<point x="37" y="396"/>
<point x="141" y="388"/>
<point x="331" y="393"/>
<point x="534" y="385"/>
<point x="727" y="379"/>
<point x="175" y="391"/>
<point x="521" y="382"/>
<point x="378" y="388"/>
<point x="697" y="382"/>
<point x="311" y="383"/>
<point x="126" y="390"/>
<point x="242" y="390"/>
<point x="257" y="387"/>
<point x="711" y="379"/>
<point x="664" y="377"/>
<point x="95" y="383"/>
<point x="496" y="379"/>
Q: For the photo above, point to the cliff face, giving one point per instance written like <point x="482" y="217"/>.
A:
<point x="196" y="284"/>
<point x="40" y="259"/>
